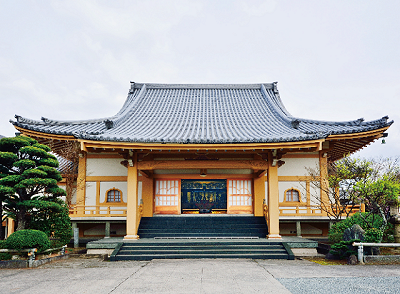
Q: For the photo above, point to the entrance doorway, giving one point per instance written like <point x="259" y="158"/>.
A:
<point x="203" y="196"/>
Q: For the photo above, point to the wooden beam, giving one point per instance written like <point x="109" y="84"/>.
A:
<point x="201" y="164"/>
<point x="146" y="173"/>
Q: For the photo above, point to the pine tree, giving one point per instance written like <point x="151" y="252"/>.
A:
<point x="28" y="175"/>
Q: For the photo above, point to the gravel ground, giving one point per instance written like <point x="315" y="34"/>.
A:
<point x="365" y="285"/>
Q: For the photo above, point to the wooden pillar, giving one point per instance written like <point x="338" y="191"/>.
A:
<point x="273" y="200"/>
<point x="259" y="196"/>
<point x="132" y="201"/>
<point x="81" y="182"/>
<point x="323" y="167"/>
<point x="10" y="226"/>
<point x="148" y="196"/>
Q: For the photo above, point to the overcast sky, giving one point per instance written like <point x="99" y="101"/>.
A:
<point x="334" y="60"/>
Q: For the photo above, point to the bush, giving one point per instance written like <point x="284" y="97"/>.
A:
<point x="25" y="239"/>
<point x="53" y="219"/>
<point x="373" y="235"/>
<point x="336" y="232"/>
<point x="4" y="255"/>
<point x="344" y="249"/>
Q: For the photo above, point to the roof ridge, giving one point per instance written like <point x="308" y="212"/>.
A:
<point x="201" y="86"/>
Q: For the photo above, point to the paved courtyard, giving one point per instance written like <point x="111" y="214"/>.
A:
<point x="80" y="275"/>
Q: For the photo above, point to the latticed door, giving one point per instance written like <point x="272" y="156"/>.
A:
<point x="166" y="199"/>
<point x="240" y="196"/>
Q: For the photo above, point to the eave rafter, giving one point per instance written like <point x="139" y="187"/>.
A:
<point x="340" y="145"/>
<point x="345" y="144"/>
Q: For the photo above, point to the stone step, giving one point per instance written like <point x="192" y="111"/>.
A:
<point x="198" y="256"/>
<point x="202" y="226"/>
<point x="201" y="249"/>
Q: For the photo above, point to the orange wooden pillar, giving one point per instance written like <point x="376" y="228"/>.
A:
<point x="323" y="167"/>
<point x="81" y="182"/>
<point x="10" y="226"/>
<point x="273" y="200"/>
<point x="259" y="196"/>
<point x="132" y="201"/>
<point x="148" y="196"/>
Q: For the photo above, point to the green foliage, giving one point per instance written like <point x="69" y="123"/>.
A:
<point x="41" y="146"/>
<point x="27" y="170"/>
<point x="335" y="237"/>
<point x="49" y="162"/>
<point x="15" y="143"/>
<point x="33" y="152"/>
<point x="24" y="163"/>
<point x="25" y="239"/>
<point x="34" y="173"/>
<point x="373" y="235"/>
<point x="53" y="219"/>
<point x="344" y="249"/>
<point x="4" y="255"/>
<point x="364" y="220"/>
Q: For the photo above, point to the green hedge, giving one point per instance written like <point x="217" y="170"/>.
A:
<point x="4" y="255"/>
<point x="25" y="239"/>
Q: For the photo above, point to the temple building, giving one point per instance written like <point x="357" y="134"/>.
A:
<point x="185" y="149"/>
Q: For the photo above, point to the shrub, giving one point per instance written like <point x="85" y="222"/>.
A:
<point x="4" y="255"/>
<point x="336" y="232"/>
<point x="344" y="249"/>
<point x="373" y="235"/>
<point x="25" y="239"/>
<point x="53" y="219"/>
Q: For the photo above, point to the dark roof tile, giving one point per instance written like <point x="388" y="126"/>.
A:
<point x="237" y="113"/>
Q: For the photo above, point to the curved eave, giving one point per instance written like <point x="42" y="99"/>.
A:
<point x="345" y="144"/>
<point x="31" y="133"/>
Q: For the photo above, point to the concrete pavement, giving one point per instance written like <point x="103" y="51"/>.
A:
<point x="79" y="275"/>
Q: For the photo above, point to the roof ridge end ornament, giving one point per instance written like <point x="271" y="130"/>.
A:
<point x="275" y="84"/>
<point x="109" y="124"/>
<point x="295" y="123"/>
<point x="360" y="121"/>
<point x="45" y="120"/>
<point x="21" y="119"/>
<point x="132" y="89"/>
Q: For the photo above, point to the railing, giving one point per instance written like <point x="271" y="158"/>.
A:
<point x="302" y="209"/>
<point x="32" y="252"/>
<point x="96" y="211"/>
<point x="360" y="250"/>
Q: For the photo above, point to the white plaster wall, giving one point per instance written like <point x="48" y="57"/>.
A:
<point x="297" y="166"/>
<point x="90" y="197"/>
<point x="315" y="194"/>
<point x="301" y="186"/>
<point x="105" y="186"/>
<point x="105" y="167"/>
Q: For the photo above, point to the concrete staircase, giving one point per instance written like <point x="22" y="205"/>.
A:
<point x="165" y="237"/>
<point x="202" y="226"/>
<point x="204" y="248"/>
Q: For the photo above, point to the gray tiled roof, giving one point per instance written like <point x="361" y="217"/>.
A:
<point x="235" y="113"/>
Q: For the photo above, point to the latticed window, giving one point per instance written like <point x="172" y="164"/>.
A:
<point x="114" y="195"/>
<point x="292" y="195"/>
